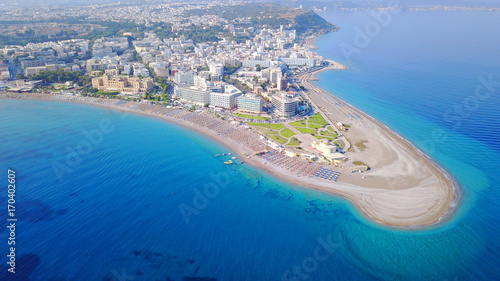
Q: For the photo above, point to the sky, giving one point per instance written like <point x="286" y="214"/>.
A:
<point x="305" y="3"/>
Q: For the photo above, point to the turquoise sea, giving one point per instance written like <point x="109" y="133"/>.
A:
<point x="116" y="212"/>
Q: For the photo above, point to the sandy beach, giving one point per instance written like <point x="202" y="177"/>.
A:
<point x="404" y="188"/>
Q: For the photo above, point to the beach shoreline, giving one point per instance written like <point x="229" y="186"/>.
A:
<point x="454" y="183"/>
<point x="337" y="189"/>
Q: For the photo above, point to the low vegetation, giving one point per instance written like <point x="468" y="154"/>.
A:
<point x="267" y="125"/>
<point x="287" y="133"/>
<point x="360" y="163"/>
<point x="276" y="132"/>
<point x="338" y="144"/>
<point x="301" y="123"/>
<point x="330" y="128"/>
<point x="361" y="145"/>
<point x="323" y="137"/>
<point x="294" y="142"/>
<point x="315" y="126"/>
<point x="248" y="116"/>
<point x="318" y="120"/>
<point x="303" y="21"/>
<point x="328" y="134"/>
<point x="100" y="93"/>
<point x="306" y="130"/>
<point x="61" y="76"/>
<point x="278" y="139"/>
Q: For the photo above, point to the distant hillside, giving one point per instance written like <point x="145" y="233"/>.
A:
<point x="335" y="4"/>
<point x="271" y="15"/>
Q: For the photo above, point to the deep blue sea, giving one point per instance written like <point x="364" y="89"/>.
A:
<point x="116" y="211"/>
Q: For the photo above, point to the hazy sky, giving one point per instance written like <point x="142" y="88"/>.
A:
<point x="304" y="2"/>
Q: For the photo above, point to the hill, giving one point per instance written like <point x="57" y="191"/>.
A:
<point x="270" y="15"/>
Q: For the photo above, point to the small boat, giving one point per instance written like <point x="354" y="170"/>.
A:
<point x="216" y="155"/>
<point x="242" y="162"/>
<point x="229" y="153"/>
<point x="233" y="157"/>
<point x="228" y="162"/>
<point x="223" y="154"/>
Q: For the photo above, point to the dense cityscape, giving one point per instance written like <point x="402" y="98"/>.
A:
<point x="242" y="68"/>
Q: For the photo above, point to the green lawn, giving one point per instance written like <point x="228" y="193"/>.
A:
<point x="287" y="133"/>
<point x="251" y="116"/>
<point x="265" y="125"/>
<point x="328" y="134"/>
<point x="265" y="131"/>
<point x="318" y="119"/>
<point x="331" y="129"/>
<point x="294" y="142"/>
<point x="278" y="139"/>
<point x="323" y="137"/>
<point x="301" y="123"/>
<point x="315" y="126"/>
<point x="271" y="131"/>
<point x="306" y="130"/>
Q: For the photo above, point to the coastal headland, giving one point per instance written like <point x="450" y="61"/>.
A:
<point x="403" y="187"/>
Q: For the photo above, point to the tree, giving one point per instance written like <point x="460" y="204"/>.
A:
<point x="20" y="76"/>
<point x="257" y="66"/>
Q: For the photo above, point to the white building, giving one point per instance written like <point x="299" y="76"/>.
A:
<point x="182" y="77"/>
<point x="253" y="63"/>
<point x="227" y="99"/>
<point x="328" y="150"/>
<point x="272" y="74"/>
<point x="217" y="69"/>
<point x="248" y="103"/>
<point x="200" y="82"/>
<point x="140" y="70"/>
<point x="285" y="105"/>
<point x="299" y="62"/>
<point x="189" y="94"/>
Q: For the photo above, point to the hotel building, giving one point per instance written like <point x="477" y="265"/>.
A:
<point x="123" y="84"/>
<point x="189" y="94"/>
<point x="285" y="105"/>
<point x="227" y="99"/>
<point x="247" y="103"/>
